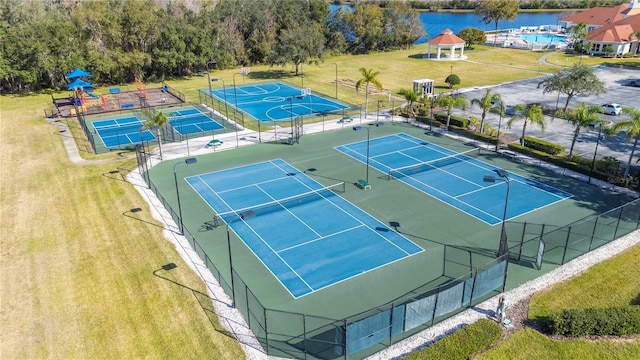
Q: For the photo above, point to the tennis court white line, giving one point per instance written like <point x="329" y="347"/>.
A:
<point x="322" y="238"/>
<point x="289" y="211"/>
<point x="206" y="184"/>
<point x="274" y="252"/>
<point x="254" y="184"/>
<point x="256" y="234"/>
<point x="350" y="215"/>
<point x="450" y="197"/>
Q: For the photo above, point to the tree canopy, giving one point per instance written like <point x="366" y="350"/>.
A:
<point x="494" y="11"/>
<point x="118" y="40"/>
<point x="577" y="79"/>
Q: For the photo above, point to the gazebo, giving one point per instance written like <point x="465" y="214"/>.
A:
<point x="447" y="40"/>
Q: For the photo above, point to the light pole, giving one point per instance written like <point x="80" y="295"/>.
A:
<point x="226" y="108"/>
<point x="187" y="161"/>
<point x="502" y="110"/>
<point x="209" y="80"/>
<point x="290" y="98"/>
<point x="242" y="216"/>
<point x="378" y="111"/>
<point x="504" y="175"/>
<point x="368" y="128"/>
<point x="235" y="94"/>
<point x="291" y="118"/>
<point x="336" y="65"/>
<point x="595" y="152"/>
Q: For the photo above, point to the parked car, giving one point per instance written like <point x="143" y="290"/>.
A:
<point x="612" y="109"/>
<point x="633" y="83"/>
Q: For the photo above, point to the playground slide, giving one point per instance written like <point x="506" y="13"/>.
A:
<point x="92" y="95"/>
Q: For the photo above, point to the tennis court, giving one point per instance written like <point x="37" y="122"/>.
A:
<point x="454" y="178"/>
<point x="122" y="131"/>
<point x="307" y="235"/>
<point x="277" y="101"/>
<point x="191" y="121"/>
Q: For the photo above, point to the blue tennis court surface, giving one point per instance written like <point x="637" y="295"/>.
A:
<point x="456" y="179"/>
<point x="122" y="131"/>
<point x="191" y="121"/>
<point x="276" y="101"/>
<point x="307" y="235"/>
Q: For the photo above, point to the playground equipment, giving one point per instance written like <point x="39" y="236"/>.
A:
<point x="142" y="89"/>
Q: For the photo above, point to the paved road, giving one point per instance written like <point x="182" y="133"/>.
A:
<point x="559" y="131"/>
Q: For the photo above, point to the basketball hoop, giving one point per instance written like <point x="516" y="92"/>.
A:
<point x="245" y="70"/>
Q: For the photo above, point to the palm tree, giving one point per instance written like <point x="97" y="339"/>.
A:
<point x="449" y="102"/>
<point x="155" y="120"/>
<point x="529" y="114"/>
<point x="579" y="31"/>
<point x="411" y="97"/>
<point x="632" y="129"/>
<point x="368" y="77"/>
<point x="501" y="108"/>
<point x="486" y="104"/>
<point x="580" y="117"/>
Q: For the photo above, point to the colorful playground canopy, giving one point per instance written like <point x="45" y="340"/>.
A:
<point x="79" y="83"/>
<point x="77" y="72"/>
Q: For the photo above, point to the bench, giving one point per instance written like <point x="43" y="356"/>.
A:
<point x="510" y="154"/>
<point x="214" y="143"/>
<point x="345" y="120"/>
<point x="363" y="184"/>
<point x="127" y="106"/>
<point x="114" y="90"/>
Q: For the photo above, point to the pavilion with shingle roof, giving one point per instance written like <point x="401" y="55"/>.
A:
<point x="447" y="40"/>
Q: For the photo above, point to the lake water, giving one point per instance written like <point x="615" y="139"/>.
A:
<point x="435" y="22"/>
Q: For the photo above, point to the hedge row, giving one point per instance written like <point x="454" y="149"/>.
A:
<point x="474" y="135"/>
<point x="607" y="321"/>
<point x="463" y="343"/>
<point x="560" y="161"/>
<point x="455" y="120"/>
<point x="544" y="146"/>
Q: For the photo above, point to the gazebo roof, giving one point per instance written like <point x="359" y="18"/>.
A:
<point x="447" y="37"/>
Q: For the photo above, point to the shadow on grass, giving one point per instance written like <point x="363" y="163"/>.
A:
<point x="204" y="300"/>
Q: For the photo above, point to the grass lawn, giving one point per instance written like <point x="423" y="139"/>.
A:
<point x="81" y="278"/>
<point x="78" y="277"/>
<point x="614" y="282"/>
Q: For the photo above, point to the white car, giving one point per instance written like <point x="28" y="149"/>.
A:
<point x="612" y="109"/>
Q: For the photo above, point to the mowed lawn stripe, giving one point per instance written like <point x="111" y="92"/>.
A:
<point x="77" y="275"/>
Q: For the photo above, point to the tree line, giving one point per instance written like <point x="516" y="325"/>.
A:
<point x="120" y="40"/>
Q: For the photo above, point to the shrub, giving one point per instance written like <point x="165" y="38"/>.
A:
<point x="458" y="121"/>
<point x="463" y="343"/>
<point x="544" y="146"/>
<point x="473" y="134"/>
<point x="584" y="322"/>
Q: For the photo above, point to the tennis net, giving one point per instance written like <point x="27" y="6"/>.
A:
<point x="433" y="164"/>
<point x="120" y="129"/>
<point x="199" y="117"/>
<point x="288" y="202"/>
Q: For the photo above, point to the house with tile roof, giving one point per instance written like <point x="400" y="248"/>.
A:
<point x="617" y="26"/>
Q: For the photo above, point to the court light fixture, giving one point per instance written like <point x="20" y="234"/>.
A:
<point x="246" y="215"/>
<point x="226" y="108"/>
<point x="504" y="175"/>
<point x="368" y="128"/>
<point x="187" y="161"/>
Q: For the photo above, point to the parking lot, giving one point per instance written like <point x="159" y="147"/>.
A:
<point x="559" y="131"/>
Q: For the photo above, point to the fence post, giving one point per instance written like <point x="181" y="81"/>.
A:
<point x="615" y="232"/>
<point x="524" y="230"/>
<point x="566" y="245"/>
<point x="593" y="233"/>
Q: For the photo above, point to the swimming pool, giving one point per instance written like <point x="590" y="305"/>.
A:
<point x="542" y="38"/>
